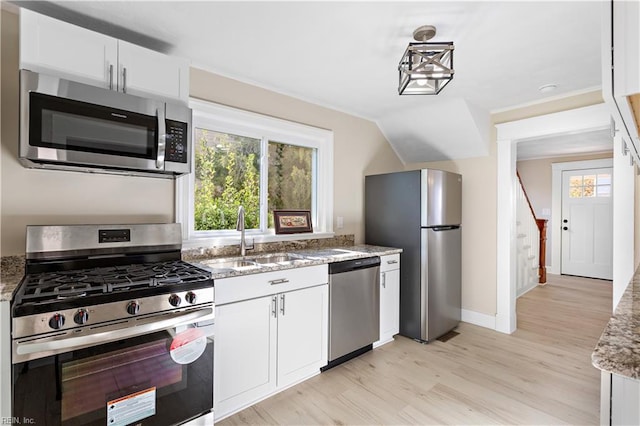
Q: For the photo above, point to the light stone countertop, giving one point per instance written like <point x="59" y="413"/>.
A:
<point x="11" y="273"/>
<point x="311" y="257"/>
<point x="12" y="267"/>
<point x="618" y="350"/>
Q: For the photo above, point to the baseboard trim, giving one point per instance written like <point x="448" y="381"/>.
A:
<point x="477" y="318"/>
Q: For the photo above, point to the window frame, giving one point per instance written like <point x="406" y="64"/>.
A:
<point x="221" y="118"/>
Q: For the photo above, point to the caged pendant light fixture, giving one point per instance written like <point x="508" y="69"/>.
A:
<point x="425" y="68"/>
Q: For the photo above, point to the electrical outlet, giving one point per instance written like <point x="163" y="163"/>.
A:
<point x="340" y="223"/>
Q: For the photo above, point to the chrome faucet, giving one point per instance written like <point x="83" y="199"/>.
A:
<point x="240" y="227"/>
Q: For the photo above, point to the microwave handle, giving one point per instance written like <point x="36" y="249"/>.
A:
<point x="162" y="138"/>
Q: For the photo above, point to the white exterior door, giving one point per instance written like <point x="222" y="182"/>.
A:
<point x="587" y="225"/>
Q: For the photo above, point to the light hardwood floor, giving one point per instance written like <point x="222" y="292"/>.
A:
<point x="541" y="374"/>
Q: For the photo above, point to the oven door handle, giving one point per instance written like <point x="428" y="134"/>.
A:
<point x="68" y="344"/>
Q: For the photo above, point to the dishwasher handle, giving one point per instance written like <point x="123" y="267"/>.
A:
<point x="353" y="265"/>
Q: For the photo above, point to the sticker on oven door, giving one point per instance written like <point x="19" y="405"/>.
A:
<point x="188" y="345"/>
<point x="131" y="408"/>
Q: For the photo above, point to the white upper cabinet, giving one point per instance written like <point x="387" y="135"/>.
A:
<point x="55" y="47"/>
<point x="75" y="53"/>
<point x="626" y="47"/>
<point x="142" y="71"/>
<point x="621" y="67"/>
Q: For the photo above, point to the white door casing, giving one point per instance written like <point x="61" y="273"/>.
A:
<point x="587" y="225"/>
<point x="594" y="117"/>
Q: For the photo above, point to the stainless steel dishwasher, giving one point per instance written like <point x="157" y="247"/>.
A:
<point x="354" y="308"/>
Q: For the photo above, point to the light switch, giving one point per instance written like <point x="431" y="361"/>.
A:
<point x="340" y="223"/>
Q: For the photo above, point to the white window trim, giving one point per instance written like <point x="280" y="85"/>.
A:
<point x="231" y="120"/>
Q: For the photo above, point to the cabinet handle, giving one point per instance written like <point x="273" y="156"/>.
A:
<point x="110" y="76"/>
<point x="124" y="80"/>
<point x="279" y="281"/>
<point x="274" y="306"/>
<point x="384" y="280"/>
<point x="391" y="262"/>
<point x="282" y="304"/>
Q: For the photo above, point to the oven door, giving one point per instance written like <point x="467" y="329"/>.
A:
<point x="160" y="378"/>
<point x="73" y="124"/>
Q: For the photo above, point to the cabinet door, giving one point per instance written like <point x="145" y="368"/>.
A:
<point x="245" y="355"/>
<point x="142" y="71"/>
<point x="390" y="304"/>
<point x="65" y="50"/>
<point x="302" y="333"/>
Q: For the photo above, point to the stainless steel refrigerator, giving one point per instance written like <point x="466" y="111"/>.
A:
<point x="420" y="212"/>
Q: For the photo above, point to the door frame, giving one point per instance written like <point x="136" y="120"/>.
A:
<point x="590" y="118"/>
<point x="556" y="204"/>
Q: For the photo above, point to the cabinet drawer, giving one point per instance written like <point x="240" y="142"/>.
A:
<point x="389" y="262"/>
<point x="245" y="287"/>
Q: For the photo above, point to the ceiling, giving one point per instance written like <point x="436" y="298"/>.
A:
<point x="344" y="55"/>
<point x="566" y="145"/>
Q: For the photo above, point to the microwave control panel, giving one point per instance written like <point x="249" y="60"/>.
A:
<point x="176" y="150"/>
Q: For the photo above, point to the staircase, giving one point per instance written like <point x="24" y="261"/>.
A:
<point x="531" y="241"/>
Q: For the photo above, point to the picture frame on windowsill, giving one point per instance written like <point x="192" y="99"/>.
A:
<point x="292" y="221"/>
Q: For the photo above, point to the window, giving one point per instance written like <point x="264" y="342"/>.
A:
<point x="259" y="162"/>
<point x="592" y="185"/>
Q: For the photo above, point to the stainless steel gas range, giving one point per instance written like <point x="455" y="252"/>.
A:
<point x="110" y="327"/>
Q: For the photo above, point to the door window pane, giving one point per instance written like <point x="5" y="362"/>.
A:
<point x="604" y="190"/>
<point x="575" y="192"/>
<point x="227" y="175"/>
<point x="290" y="178"/>
<point x="575" y="181"/>
<point x="604" y="179"/>
<point x="588" y="185"/>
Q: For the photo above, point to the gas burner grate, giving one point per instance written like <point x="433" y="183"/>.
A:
<point x="48" y="286"/>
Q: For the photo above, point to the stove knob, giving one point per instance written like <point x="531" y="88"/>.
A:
<point x="56" y="321"/>
<point x="133" y="308"/>
<point x="190" y="297"/>
<point x="81" y="317"/>
<point x="175" y="300"/>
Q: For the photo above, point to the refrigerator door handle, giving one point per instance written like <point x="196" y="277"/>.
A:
<point x="445" y="228"/>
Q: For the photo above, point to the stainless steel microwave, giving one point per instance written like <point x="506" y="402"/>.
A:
<point x="73" y="126"/>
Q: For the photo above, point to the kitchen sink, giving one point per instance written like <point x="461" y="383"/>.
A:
<point x="230" y="264"/>
<point x="277" y="258"/>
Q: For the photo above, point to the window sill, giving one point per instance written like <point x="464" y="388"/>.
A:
<point x="209" y="242"/>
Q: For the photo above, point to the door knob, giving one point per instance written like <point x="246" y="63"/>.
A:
<point x="565" y="228"/>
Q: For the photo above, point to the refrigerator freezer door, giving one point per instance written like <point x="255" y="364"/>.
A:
<point x="441" y="199"/>
<point x="441" y="281"/>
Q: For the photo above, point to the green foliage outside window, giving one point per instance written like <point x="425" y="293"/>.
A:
<point x="227" y="175"/>
<point x="290" y="178"/>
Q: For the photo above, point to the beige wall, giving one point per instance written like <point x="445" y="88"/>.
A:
<point x="479" y="228"/>
<point x="359" y="147"/>
<point x="55" y="197"/>
<point x="32" y="197"/>
<point x="536" y="179"/>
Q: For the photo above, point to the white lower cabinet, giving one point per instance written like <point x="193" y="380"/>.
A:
<point x="389" y="298"/>
<point x="268" y="343"/>
<point x="244" y="353"/>
<point x="620" y="400"/>
<point x="302" y="333"/>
